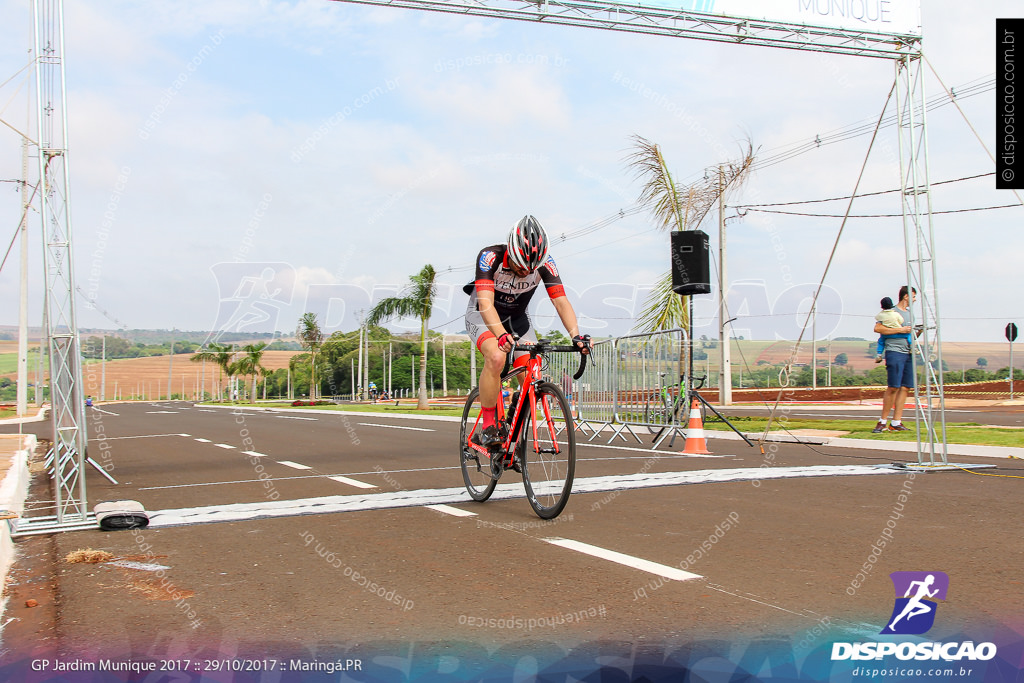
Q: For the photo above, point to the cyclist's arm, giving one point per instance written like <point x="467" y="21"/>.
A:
<point x="567" y="315"/>
<point x="485" y="303"/>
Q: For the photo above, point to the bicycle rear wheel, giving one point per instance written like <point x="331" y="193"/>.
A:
<point x="655" y="416"/>
<point x="476" y="466"/>
<point x="549" y="456"/>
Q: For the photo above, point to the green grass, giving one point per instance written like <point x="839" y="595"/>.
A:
<point x="7" y="412"/>
<point x="960" y="432"/>
<point x="9" y="362"/>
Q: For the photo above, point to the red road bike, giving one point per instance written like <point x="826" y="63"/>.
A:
<point x="540" y="437"/>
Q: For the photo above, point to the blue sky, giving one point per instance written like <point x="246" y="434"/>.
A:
<point x="344" y="146"/>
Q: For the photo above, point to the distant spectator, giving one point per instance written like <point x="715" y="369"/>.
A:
<point x="899" y="365"/>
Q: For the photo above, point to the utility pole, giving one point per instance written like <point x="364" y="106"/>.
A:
<point x="829" y="347"/>
<point x="444" y="367"/>
<point x="170" y="370"/>
<point x="22" y="392"/>
<point x="359" y="382"/>
<point x="725" y="372"/>
<point x="103" y="370"/>
<point x="472" y="365"/>
<point x="814" y="349"/>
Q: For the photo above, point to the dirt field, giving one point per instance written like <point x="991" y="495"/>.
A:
<point x="130" y="376"/>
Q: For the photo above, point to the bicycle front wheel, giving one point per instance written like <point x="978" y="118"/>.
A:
<point x="549" y="456"/>
<point x="476" y="466"/>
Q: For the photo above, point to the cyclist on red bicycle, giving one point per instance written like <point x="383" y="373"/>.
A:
<point x="506" y="277"/>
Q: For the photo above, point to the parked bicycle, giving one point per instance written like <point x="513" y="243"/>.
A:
<point x="539" y="441"/>
<point x="669" y="406"/>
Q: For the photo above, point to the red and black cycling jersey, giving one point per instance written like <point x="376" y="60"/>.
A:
<point x="512" y="294"/>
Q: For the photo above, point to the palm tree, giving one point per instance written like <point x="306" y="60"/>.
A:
<point x="250" y="365"/>
<point x="417" y="302"/>
<point x="219" y="355"/>
<point x="311" y="337"/>
<point x="675" y="208"/>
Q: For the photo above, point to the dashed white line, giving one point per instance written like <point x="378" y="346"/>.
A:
<point x="223" y="445"/>
<point x="289" y="463"/>
<point x="203" y="440"/>
<point x="414" y="429"/>
<point x="449" y="510"/>
<point x="353" y="482"/>
<point x="255" y="454"/>
<point x="294" y="417"/>
<point x="627" y="560"/>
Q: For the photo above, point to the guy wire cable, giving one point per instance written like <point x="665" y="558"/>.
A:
<point x="814" y="301"/>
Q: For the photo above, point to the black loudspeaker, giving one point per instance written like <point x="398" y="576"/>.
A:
<point x="691" y="270"/>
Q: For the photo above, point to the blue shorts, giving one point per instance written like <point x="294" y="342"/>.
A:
<point x="899" y="369"/>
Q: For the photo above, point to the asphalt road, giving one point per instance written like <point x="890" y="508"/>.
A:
<point x="281" y="534"/>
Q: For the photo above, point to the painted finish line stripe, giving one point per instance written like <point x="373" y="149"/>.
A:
<point x="353" y="482"/>
<point x="627" y="560"/>
<point x="413" y="429"/>
<point x="237" y="512"/>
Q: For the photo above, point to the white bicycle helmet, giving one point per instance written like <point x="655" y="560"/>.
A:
<point x="528" y="244"/>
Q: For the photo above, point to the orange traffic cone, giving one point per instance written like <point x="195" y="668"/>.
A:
<point x="695" y="444"/>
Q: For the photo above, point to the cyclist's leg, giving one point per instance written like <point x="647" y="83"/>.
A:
<point x="490" y="375"/>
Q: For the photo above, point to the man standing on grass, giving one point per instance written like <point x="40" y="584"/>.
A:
<point x="899" y="365"/>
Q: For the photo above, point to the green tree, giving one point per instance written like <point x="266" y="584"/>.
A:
<point x="841" y="359"/>
<point x="219" y="355"/>
<point x="983" y="362"/>
<point x="418" y="301"/>
<point x="311" y="337"/>
<point x="251" y="365"/>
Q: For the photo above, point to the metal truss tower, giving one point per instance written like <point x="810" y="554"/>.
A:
<point x="67" y="454"/>
<point x="919" y="241"/>
<point x="678" y="23"/>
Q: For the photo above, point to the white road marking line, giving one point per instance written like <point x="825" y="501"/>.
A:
<point x="294" y="417"/>
<point x="255" y="454"/>
<point x="353" y="482"/>
<point x="105" y="412"/>
<point x="207" y="410"/>
<point x="414" y="429"/>
<point x="144" y="566"/>
<point x="621" y="558"/>
<point x="289" y="463"/>
<point x="141" y="436"/>
<point x="161" y="412"/>
<point x="397" y="499"/>
<point x="449" y="510"/>
<point x="223" y="445"/>
<point x="203" y="440"/>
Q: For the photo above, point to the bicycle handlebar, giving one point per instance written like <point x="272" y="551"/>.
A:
<point x="542" y="347"/>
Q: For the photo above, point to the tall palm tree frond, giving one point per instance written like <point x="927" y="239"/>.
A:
<point x="417" y="302"/>
<point x="659" y="192"/>
<point x="663" y="309"/>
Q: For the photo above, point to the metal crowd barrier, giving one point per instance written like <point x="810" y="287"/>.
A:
<point x="630" y="383"/>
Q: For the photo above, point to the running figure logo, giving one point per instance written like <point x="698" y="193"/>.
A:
<point x="914" y="612"/>
<point x="251" y="296"/>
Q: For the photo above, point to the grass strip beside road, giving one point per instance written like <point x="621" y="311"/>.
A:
<point x="960" y="432"/>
